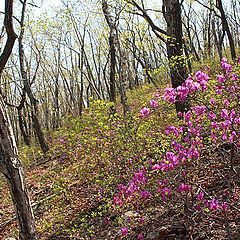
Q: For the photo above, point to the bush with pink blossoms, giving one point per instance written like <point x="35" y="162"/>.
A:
<point x="207" y="135"/>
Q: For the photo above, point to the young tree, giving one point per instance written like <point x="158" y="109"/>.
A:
<point x="112" y="45"/>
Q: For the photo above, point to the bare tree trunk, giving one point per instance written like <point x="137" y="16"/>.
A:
<point x="26" y="138"/>
<point x="11" y="167"/>
<point x="10" y="164"/>
<point x="226" y="27"/>
<point x="112" y="45"/>
<point x="218" y="39"/>
<point x="123" y="80"/>
<point x="27" y="87"/>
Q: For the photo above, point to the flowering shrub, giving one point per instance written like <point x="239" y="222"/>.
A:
<point x="211" y="124"/>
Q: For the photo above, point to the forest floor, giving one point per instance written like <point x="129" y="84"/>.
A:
<point x="72" y="188"/>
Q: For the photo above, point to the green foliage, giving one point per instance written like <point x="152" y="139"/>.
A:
<point x="90" y="156"/>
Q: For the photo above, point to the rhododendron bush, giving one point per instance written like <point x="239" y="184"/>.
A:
<point x="206" y="135"/>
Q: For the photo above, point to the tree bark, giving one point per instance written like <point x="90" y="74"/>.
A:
<point x="27" y="87"/>
<point x="178" y="72"/>
<point x="11" y="35"/>
<point x="226" y="27"/>
<point x="123" y="79"/>
<point x="10" y="164"/>
<point x="112" y="45"/>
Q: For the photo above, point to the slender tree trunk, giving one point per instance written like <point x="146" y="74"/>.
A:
<point x="218" y="40"/>
<point x="112" y="45"/>
<point x="123" y="80"/>
<point x="26" y="138"/>
<point x="36" y="124"/>
<point x="226" y="28"/>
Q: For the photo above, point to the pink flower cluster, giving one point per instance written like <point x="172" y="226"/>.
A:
<point x="225" y="65"/>
<point x="212" y="204"/>
<point x="133" y="190"/>
<point x="181" y="92"/>
<point x="145" y="112"/>
<point x="213" y="122"/>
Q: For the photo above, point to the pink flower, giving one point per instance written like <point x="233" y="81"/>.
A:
<point x="132" y="187"/>
<point x="202" y="79"/>
<point x="172" y="129"/>
<point x="200" y="76"/>
<point x="117" y="201"/>
<point x="140" y="236"/>
<point x="182" y="92"/>
<point x="223" y="60"/>
<point x="224" y="136"/>
<point x="145" y="112"/>
<point x="189" y="82"/>
<point x="232" y="137"/>
<point x="170" y="95"/>
<point x="124" y="231"/>
<point x="153" y="103"/>
<point x="212" y="101"/>
<point x="166" y="193"/>
<point x="200" y="196"/>
<point x="234" y="77"/>
<point x="171" y="156"/>
<point x="196" y="86"/>
<point x="226" y="102"/>
<point x="184" y="188"/>
<point x="199" y="110"/>
<point x="214" y="125"/>
<point x="232" y="115"/>
<point x="156" y="167"/>
<point x="139" y="177"/>
<point x="212" y="116"/>
<point x="225" y="206"/>
<point x="225" y="65"/>
<point x="224" y="113"/>
<point x="219" y="89"/>
<point x="198" y="207"/>
<point x="145" y="194"/>
<point x="221" y="78"/>
<point x="187" y="116"/>
<point x="214" y="204"/>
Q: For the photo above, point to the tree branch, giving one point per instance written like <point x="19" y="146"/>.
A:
<point x="11" y="35"/>
<point x="154" y="28"/>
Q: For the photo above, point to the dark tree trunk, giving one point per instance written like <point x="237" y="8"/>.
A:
<point x="27" y="87"/>
<point x="26" y="138"/>
<point x="123" y="80"/>
<point x="11" y="167"/>
<point x="112" y="45"/>
<point x="178" y="72"/>
<point x="11" y="36"/>
<point x="226" y="28"/>
<point x="218" y="39"/>
<point x="10" y="164"/>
